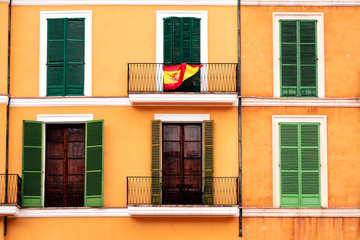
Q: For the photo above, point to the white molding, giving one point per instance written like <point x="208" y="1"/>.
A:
<point x="190" y="2"/>
<point x="183" y="211"/>
<point x="322" y="120"/>
<point x="88" y="47"/>
<point x="184" y="99"/>
<point x="277" y="16"/>
<point x="203" y="39"/>
<point x="182" y="117"/>
<point x="64" y="118"/>
<point x="302" y="212"/>
<point x="69" y="102"/>
<point x="299" y="102"/>
<point x="4" y="99"/>
<point x="9" y="210"/>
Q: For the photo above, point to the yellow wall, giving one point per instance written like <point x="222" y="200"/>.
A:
<point x="121" y="35"/>
<point x="128" y="141"/>
<point x="2" y="137"/>
<point x="183" y="228"/>
<point x="343" y="151"/>
<point x="3" y="46"/>
<point x="342" y="49"/>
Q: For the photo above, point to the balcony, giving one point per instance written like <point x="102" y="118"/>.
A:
<point x="215" y="84"/>
<point x="12" y="194"/>
<point x="210" y="191"/>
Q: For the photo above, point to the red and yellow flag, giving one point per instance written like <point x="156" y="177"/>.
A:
<point x="175" y="75"/>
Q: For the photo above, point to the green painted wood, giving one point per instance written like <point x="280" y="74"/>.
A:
<point x="94" y="163"/>
<point x="65" y="57"/>
<point x="298" y="58"/>
<point x="32" y="169"/>
<point x="208" y="162"/>
<point x="155" y="161"/>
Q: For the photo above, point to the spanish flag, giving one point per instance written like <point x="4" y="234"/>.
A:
<point x="175" y="75"/>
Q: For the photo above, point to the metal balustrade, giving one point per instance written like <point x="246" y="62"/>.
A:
<point x="11" y="195"/>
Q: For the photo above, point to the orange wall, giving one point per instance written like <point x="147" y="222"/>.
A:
<point x="128" y="141"/>
<point x="342" y="49"/>
<point x="121" y="35"/>
<point x="2" y="137"/>
<point x="3" y="46"/>
<point x="183" y="228"/>
<point x="343" y="151"/>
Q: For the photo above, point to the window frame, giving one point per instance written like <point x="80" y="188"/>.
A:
<point x="319" y="17"/>
<point x="44" y="15"/>
<point x="322" y="121"/>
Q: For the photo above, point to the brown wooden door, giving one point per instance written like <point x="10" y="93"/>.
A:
<point x="181" y="164"/>
<point x="65" y="165"/>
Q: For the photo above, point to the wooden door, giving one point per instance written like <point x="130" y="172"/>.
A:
<point x="65" y="165"/>
<point x="181" y="164"/>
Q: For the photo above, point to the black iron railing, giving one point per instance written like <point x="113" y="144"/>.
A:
<point x="64" y="193"/>
<point x="11" y="195"/>
<point x="183" y="190"/>
<point x="213" y="77"/>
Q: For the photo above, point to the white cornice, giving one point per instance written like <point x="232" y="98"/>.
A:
<point x="191" y="2"/>
<point x="183" y="99"/>
<point x="4" y="99"/>
<point x="299" y="102"/>
<point x="69" y="102"/>
<point x="133" y="211"/>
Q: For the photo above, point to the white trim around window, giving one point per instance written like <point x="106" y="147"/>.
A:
<point x="182" y="117"/>
<point x="43" y="47"/>
<point x="160" y="15"/>
<point x="319" y="17"/>
<point x="322" y="120"/>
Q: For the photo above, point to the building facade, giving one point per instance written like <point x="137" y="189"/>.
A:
<point x="98" y="148"/>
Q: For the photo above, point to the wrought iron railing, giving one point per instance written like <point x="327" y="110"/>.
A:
<point x="64" y="193"/>
<point x="213" y="77"/>
<point x="183" y="190"/>
<point x="12" y="194"/>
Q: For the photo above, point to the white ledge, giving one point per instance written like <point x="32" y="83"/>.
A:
<point x="191" y="2"/>
<point x="301" y="212"/>
<point x="9" y="210"/>
<point x="174" y="99"/>
<point x="4" y="99"/>
<point x="299" y="102"/>
<point x="69" y="101"/>
<point x="183" y="211"/>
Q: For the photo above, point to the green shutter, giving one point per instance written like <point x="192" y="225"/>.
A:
<point x="75" y="57"/>
<point x="56" y="57"/>
<point x="155" y="161"/>
<point x="298" y="59"/>
<point x="168" y="39"/>
<point x="65" y="61"/>
<point x="299" y="165"/>
<point x="94" y="163"/>
<point x="208" y="162"/>
<point x="195" y="58"/>
<point x="32" y="170"/>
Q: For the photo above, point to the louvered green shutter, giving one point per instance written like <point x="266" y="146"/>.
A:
<point x="75" y="57"/>
<point x="208" y="162"/>
<point x="155" y="161"/>
<point x="168" y="39"/>
<point x="94" y="163"/>
<point x="299" y="165"/>
<point x="32" y="170"/>
<point x="298" y="58"/>
<point x="56" y="57"/>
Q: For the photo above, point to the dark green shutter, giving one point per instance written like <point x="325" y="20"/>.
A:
<point x="168" y="39"/>
<point x="299" y="165"/>
<point x="56" y="57"/>
<point x="155" y="161"/>
<point x="65" y="63"/>
<point x="32" y="170"/>
<point x="298" y="58"/>
<point x="94" y="163"/>
<point x="208" y="162"/>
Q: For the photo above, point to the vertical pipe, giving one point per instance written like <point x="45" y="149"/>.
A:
<point x="239" y="115"/>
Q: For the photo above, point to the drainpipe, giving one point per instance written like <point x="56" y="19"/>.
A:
<point x="239" y="115"/>
<point x="7" y="119"/>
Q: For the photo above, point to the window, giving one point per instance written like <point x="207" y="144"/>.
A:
<point x="182" y="162"/>
<point x="300" y="166"/>
<point x="298" y="55"/>
<point x="181" y="36"/>
<point x="73" y="164"/>
<point x="65" y="53"/>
